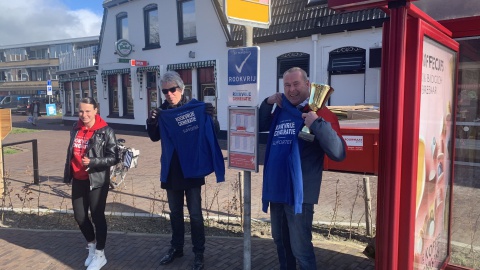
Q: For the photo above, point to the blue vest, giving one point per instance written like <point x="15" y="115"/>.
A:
<point x="190" y="131"/>
<point x="282" y="172"/>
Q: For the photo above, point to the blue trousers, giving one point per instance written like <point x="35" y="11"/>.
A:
<point x="194" y="205"/>
<point x="292" y="235"/>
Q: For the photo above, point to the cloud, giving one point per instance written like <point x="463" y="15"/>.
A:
<point x="28" y="21"/>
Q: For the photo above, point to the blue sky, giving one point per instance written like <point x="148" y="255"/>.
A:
<point x="93" y="5"/>
<point x="27" y="21"/>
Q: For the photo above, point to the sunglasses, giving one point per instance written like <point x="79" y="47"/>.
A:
<point x="171" y="90"/>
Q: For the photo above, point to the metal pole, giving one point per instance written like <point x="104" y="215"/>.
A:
<point x="36" y="176"/>
<point x="247" y="241"/>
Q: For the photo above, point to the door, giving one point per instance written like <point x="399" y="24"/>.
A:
<point x="349" y="89"/>
<point x="207" y="87"/>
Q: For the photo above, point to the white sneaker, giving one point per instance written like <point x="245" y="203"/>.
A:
<point x="91" y="252"/>
<point x="99" y="260"/>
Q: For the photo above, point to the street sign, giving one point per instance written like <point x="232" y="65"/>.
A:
<point x="51" y="109"/>
<point x="138" y="63"/>
<point x="243" y="72"/>
<point x="255" y="13"/>
<point x="49" y="88"/>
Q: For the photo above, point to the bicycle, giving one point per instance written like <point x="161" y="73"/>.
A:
<point x="127" y="158"/>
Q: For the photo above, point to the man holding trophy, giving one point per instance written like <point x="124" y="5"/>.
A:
<point x="294" y="162"/>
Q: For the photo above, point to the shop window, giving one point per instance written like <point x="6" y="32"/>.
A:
<point x="187" y="29"/>
<point x="127" y="95"/>
<point x="113" y="94"/>
<point x="77" y="95"/>
<point x="152" y="36"/>
<point x="67" y="86"/>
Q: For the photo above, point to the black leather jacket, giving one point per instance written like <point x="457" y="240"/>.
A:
<point x="102" y="153"/>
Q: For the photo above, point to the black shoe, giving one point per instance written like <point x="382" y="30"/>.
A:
<point x="171" y="255"/>
<point x="198" y="262"/>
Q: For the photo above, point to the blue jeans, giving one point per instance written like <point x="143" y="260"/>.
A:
<point x="194" y="205"/>
<point x="293" y="234"/>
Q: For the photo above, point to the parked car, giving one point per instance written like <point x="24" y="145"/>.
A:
<point x="20" y="103"/>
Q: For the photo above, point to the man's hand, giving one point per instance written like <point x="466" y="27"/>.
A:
<point x="152" y="117"/>
<point x="209" y="109"/>
<point x="309" y="118"/>
<point x="275" y="99"/>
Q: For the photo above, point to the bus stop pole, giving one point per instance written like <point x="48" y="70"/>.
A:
<point x="247" y="200"/>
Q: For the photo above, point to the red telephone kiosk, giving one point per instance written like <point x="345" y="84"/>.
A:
<point x="418" y="130"/>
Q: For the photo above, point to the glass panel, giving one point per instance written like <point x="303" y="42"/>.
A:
<point x="435" y="155"/>
<point x="127" y="94"/>
<point x="188" y="20"/>
<point x="153" y="37"/>
<point x="113" y="93"/>
<point x="77" y="94"/>
<point x="448" y="9"/>
<point x="122" y="26"/>
<point x="466" y="193"/>
<point x="67" y="86"/>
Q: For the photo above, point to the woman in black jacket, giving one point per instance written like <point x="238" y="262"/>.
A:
<point x="91" y="152"/>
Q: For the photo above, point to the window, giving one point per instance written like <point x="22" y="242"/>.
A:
<point x="152" y="37"/>
<point x="311" y="3"/>
<point x="113" y="93"/>
<point x="67" y="86"/>
<point x="127" y="95"/>
<point x="187" y="31"/>
<point x="122" y="26"/>
<point x="77" y="95"/>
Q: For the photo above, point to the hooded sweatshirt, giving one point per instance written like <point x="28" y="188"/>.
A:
<point x="80" y="146"/>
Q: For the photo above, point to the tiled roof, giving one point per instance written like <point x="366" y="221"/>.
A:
<point x="294" y="18"/>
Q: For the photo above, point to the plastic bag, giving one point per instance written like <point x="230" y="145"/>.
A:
<point x="30" y="119"/>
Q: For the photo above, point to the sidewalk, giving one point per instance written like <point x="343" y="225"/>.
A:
<point x="34" y="249"/>
<point x="23" y="249"/>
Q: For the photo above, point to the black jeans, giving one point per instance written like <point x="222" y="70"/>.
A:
<point x="82" y="199"/>
<point x="194" y="205"/>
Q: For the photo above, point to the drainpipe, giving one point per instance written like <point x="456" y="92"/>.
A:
<point x="313" y="74"/>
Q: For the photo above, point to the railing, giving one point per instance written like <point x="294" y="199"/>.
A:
<point x="36" y="177"/>
<point x="81" y="58"/>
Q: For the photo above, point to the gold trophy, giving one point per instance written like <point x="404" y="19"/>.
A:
<point x="319" y="94"/>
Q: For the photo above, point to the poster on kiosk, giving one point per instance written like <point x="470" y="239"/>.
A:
<point x="434" y="107"/>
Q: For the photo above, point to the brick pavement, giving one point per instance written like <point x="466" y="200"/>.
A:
<point x="41" y="249"/>
<point x="142" y="194"/>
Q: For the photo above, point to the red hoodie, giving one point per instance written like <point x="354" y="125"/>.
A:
<point x="80" y="145"/>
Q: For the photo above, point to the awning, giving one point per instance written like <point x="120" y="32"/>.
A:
<point x="149" y="69"/>
<point x="190" y="65"/>
<point x="116" y="71"/>
<point x="78" y="79"/>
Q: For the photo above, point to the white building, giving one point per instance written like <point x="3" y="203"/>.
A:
<point x="193" y="38"/>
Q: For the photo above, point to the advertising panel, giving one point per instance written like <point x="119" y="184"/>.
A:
<point x="243" y="68"/>
<point x="242" y="139"/>
<point x="433" y="186"/>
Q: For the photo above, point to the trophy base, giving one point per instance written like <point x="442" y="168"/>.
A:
<point x="306" y="136"/>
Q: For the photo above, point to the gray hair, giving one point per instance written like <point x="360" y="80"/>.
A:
<point x="293" y="69"/>
<point x="172" y="76"/>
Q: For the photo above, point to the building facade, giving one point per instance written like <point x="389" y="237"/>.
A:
<point x="25" y="69"/>
<point x="165" y="36"/>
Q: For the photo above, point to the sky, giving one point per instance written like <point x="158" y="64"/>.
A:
<point x="26" y="21"/>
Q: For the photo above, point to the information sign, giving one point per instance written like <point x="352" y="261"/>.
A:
<point x="242" y="138"/>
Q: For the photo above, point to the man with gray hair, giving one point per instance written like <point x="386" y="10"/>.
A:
<point x="177" y="181"/>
